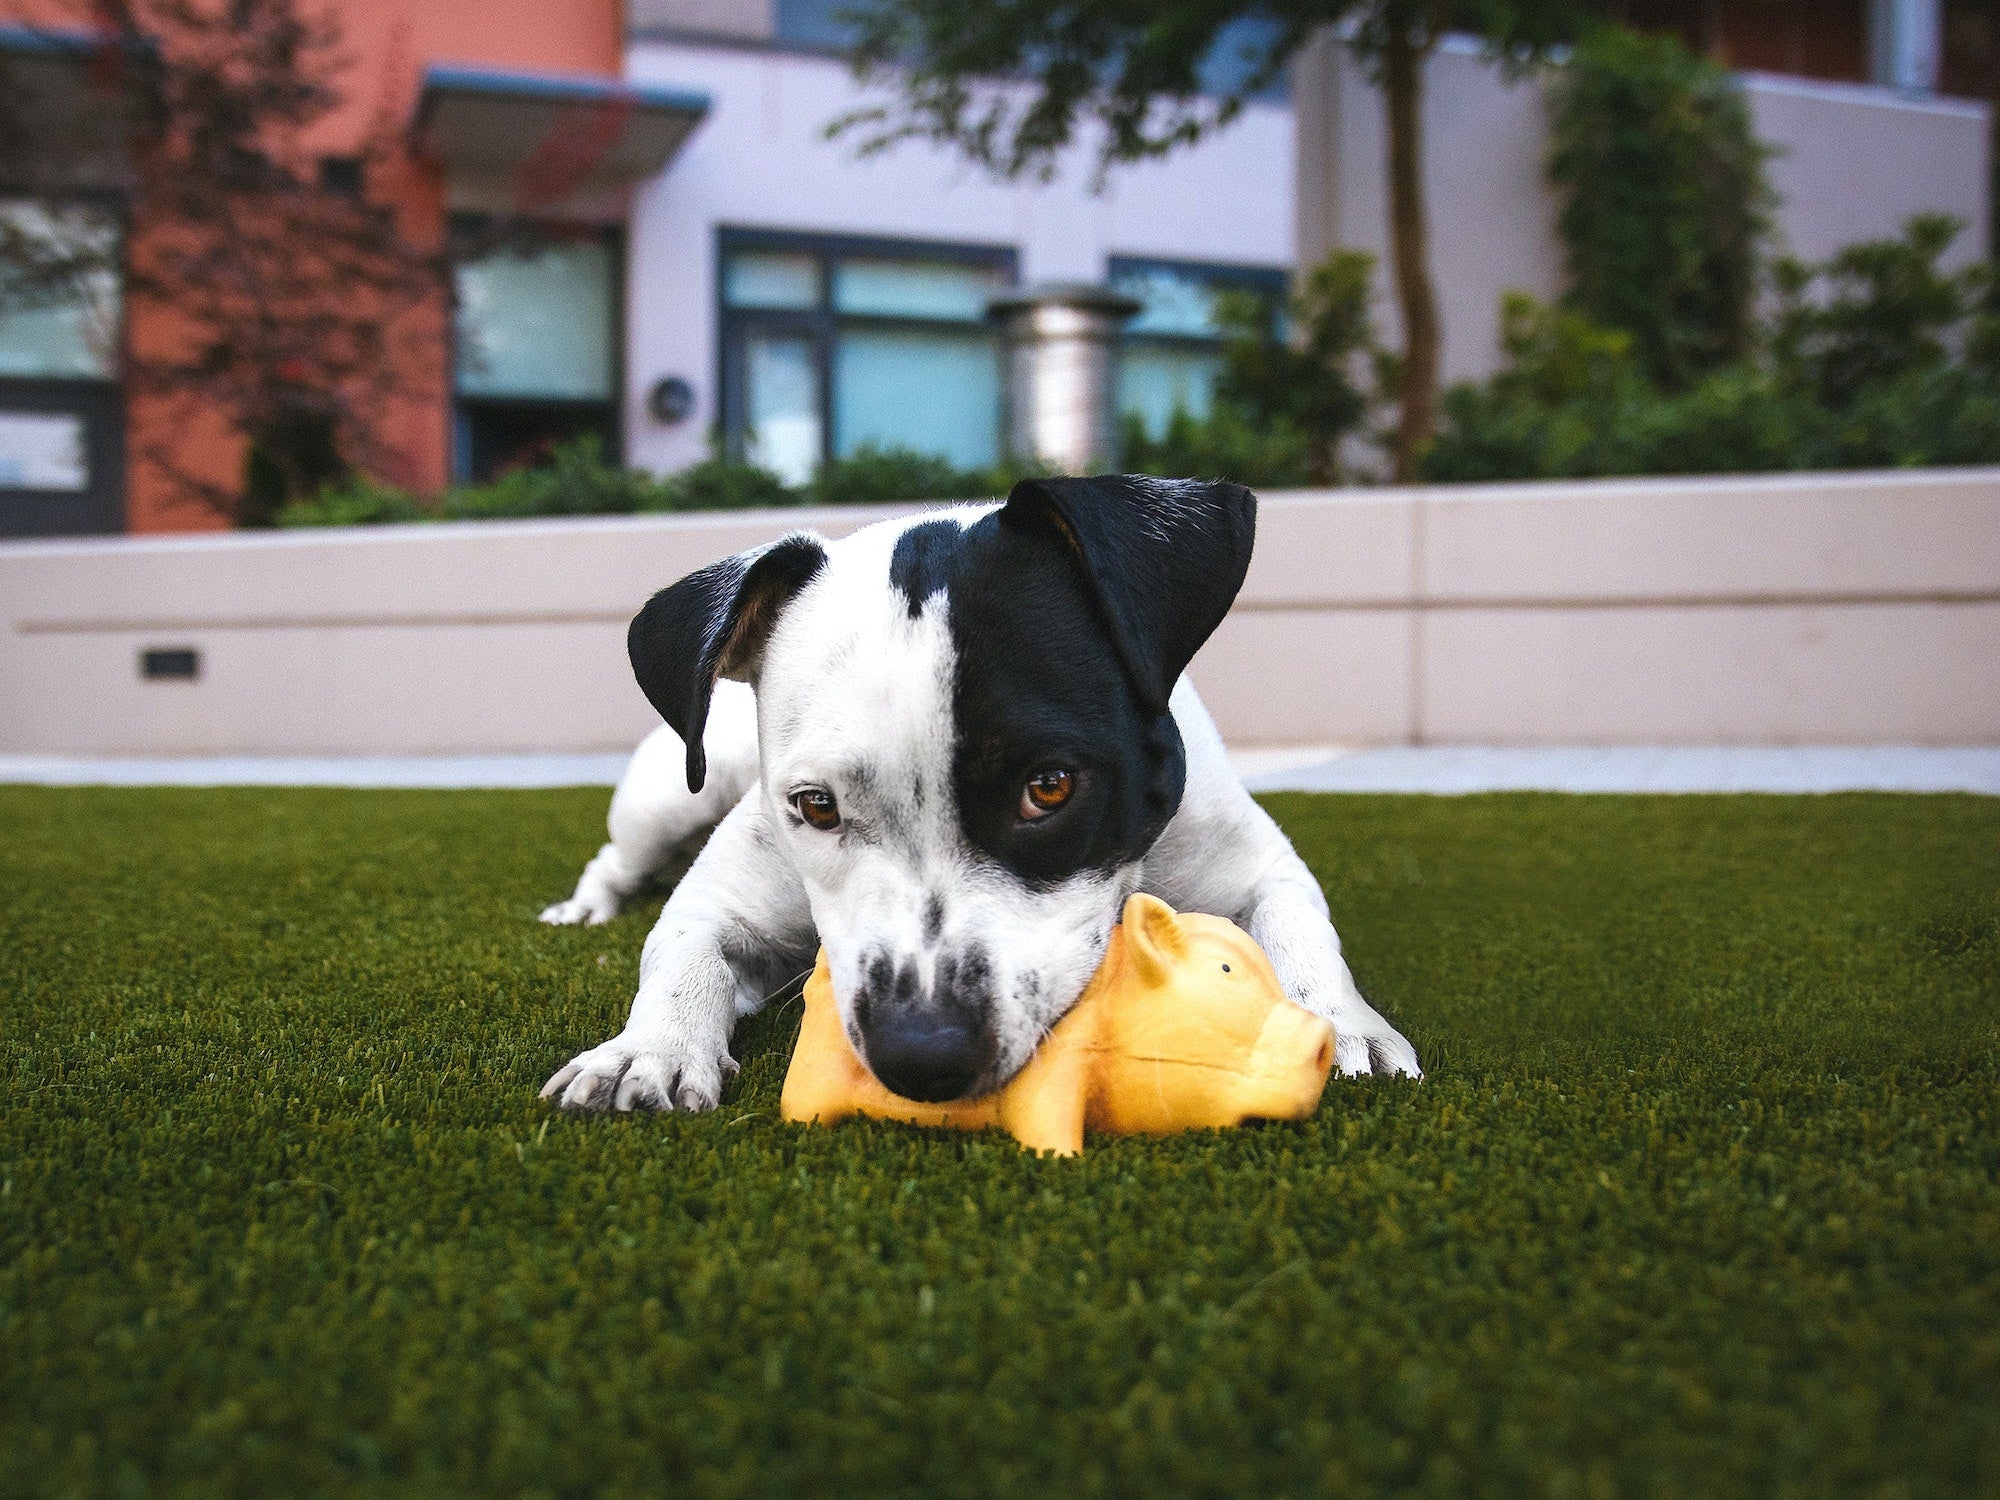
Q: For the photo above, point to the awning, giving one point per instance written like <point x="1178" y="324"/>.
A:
<point x="540" y="140"/>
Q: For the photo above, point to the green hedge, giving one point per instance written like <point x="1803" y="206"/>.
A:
<point x="1875" y="359"/>
<point x="578" y="481"/>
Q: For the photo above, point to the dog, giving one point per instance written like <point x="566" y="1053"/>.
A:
<point x="946" y="749"/>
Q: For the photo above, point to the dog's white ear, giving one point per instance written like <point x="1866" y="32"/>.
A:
<point x="1164" y="558"/>
<point x="714" y="623"/>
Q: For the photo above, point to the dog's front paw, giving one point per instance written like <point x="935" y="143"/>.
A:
<point x="1371" y="1045"/>
<point x="642" y="1072"/>
<point x="582" y="910"/>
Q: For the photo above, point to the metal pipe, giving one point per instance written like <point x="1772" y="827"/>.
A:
<point x="1062" y="370"/>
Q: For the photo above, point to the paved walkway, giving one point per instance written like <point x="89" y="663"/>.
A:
<point x="1441" y="769"/>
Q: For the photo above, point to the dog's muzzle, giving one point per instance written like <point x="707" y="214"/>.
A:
<point x="932" y="1045"/>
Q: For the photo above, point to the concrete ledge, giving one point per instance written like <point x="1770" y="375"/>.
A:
<point x="1793" y="609"/>
<point x="1448" y="770"/>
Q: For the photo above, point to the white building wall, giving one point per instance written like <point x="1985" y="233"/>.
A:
<point x="762" y="160"/>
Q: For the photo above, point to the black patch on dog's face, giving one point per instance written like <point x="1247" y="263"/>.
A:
<point x="1044" y="679"/>
<point x="1039" y="685"/>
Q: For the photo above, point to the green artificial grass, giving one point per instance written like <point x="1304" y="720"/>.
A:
<point x="1702" y="1196"/>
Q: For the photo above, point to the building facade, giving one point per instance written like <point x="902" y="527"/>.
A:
<point x="709" y="270"/>
<point x="814" y="301"/>
<point x="450" y="114"/>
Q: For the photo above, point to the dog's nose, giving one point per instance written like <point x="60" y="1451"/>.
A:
<point x="933" y="1047"/>
<point x="923" y="1055"/>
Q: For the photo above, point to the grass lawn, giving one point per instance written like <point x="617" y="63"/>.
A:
<point x="1702" y="1196"/>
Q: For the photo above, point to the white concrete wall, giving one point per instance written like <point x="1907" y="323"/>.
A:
<point x="1860" y="608"/>
<point x="762" y="160"/>
<point x="1854" y="163"/>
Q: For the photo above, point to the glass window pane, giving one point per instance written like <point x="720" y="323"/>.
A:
<point x="1175" y="302"/>
<point x="1153" y="383"/>
<point x="753" y="278"/>
<point x="42" y="451"/>
<point x="914" y="289"/>
<point x="536" y="325"/>
<point x="59" y="292"/>
<point x="930" y="393"/>
<point x="782" y="406"/>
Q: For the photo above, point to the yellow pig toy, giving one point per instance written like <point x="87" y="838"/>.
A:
<point x="1184" y="1026"/>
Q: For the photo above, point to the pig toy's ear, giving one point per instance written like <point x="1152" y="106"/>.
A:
<point x="1154" y="938"/>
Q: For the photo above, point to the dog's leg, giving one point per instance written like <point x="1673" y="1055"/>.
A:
<point x="1288" y="917"/>
<point x="1224" y="854"/>
<point x="655" y="821"/>
<point x="731" y="934"/>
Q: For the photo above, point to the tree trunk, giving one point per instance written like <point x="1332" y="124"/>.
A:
<point x="1410" y="240"/>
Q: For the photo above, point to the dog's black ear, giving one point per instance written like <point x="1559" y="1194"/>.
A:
<point x="714" y="623"/>
<point x="1164" y="557"/>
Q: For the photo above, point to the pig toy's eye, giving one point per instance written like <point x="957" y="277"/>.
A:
<point x="1225" y="968"/>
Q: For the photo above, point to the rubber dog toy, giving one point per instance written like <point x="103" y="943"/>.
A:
<point x="1183" y="1027"/>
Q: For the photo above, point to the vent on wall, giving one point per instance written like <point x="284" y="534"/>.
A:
<point x="170" y="664"/>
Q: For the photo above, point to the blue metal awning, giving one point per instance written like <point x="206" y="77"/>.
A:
<point x="552" y="136"/>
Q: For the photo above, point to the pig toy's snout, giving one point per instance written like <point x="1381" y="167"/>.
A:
<point x="1289" y="1064"/>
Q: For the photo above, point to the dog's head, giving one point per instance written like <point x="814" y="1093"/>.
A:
<point x="966" y="743"/>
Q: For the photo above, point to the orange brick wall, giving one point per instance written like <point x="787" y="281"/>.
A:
<point x="386" y="46"/>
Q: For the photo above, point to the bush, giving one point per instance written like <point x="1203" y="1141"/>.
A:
<point x="1665" y="201"/>
<point x="577" y="481"/>
<point x="1876" y="359"/>
<point x="1225" y="444"/>
<point x="876" y="476"/>
<point x="355" y="501"/>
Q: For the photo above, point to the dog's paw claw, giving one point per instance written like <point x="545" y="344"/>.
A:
<point x="628" y="1074"/>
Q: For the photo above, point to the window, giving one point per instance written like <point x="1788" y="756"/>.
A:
<point x="537" y="350"/>
<point x="830" y="345"/>
<point x="62" y="466"/>
<point x="1171" y="356"/>
<point x="59" y="292"/>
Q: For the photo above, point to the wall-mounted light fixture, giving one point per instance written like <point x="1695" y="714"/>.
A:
<point x="671" y="401"/>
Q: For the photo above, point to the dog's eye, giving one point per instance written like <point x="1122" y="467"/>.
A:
<point x="1046" y="791"/>
<point x="817" y="807"/>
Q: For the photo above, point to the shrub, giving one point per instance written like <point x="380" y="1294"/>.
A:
<point x="1874" y="313"/>
<point x="1877" y="359"/>
<point x="1225" y="444"/>
<point x="877" y="476"/>
<point x="576" y="481"/>
<point x="720" y="484"/>
<point x="355" y="501"/>
<point x="1665" y="201"/>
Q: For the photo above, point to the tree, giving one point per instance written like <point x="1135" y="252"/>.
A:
<point x="269" y="300"/>
<point x="286" y="300"/>
<point x="1135" y="67"/>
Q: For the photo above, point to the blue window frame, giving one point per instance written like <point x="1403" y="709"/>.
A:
<point x="834" y="343"/>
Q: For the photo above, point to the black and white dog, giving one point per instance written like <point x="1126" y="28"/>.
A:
<point x="969" y="741"/>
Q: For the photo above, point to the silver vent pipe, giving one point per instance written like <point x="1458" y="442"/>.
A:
<point x="1062" y="373"/>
